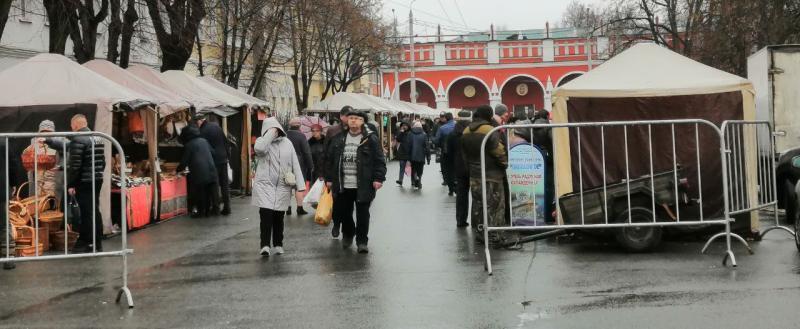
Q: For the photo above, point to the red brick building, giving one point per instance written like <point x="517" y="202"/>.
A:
<point x="518" y="68"/>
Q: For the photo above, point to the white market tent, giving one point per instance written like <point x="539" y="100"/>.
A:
<point x="166" y="102"/>
<point x="183" y="81"/>
<point x="250" y="100"/>
<point x="199" y="101"/>
<point x="648" y="82"/>
<point x="52" y="85"/>
<point x="335" y="102"/>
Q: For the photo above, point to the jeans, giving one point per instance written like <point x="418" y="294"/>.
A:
<point x="416" y="172"/>
<point x="462" y="199"/>
<point x="225" y="186"/>
<point x="85" y="197"/>
<point x="402" y="172"/>
<point x="360" y="228"/>
<point x="271" y="227"/>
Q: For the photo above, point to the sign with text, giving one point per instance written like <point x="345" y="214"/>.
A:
<point x="526" y="173"/>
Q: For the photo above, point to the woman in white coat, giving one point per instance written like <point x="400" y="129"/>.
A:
<point x="277" y="174"/>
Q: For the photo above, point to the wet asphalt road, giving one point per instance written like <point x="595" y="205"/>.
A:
<point x="422" y="272"/>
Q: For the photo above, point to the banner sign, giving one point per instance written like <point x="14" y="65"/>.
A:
<point x="526" y="173"/>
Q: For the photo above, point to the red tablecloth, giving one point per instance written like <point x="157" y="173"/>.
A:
<point x="173" y="197"/>
<point x="138" y="204"/>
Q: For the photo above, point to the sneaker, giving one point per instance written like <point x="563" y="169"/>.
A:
<point x="399" y="183"/>
<point x="335" y="230"/>
<point x="265" y="251"/>
<point x="301" y="211"/>
<point x="347" y="241"/>
<point x="362" y="249"/>
<point x="279" y="250"/>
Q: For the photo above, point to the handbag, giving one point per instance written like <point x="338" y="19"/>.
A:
<point x="74" y="211"/>
<point x="288" y="177"/>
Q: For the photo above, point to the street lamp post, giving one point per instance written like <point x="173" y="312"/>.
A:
<point x="413" y="92"/>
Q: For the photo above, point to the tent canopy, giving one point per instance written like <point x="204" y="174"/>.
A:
<point x="647" y="69"/>
<point x="194" y="97"/>
<point x="250" y="100"/>
<point x="334" y="103"/>
<point x="51" y="79"/>
<point x="184" y="81"/>
<point x="167" y="102"/>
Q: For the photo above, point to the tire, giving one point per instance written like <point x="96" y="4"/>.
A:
<point x="789" y="202"/>
<point x="638" y="239"/>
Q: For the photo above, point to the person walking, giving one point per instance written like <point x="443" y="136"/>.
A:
<point x="447" y="157"/>
<point x="278" y="172"/>
<point x="402" y="151"/>
<point x="356" y="169"/>
<point x="303" y="151"/>
<point x="317" y="146"/>
<point x="202" y="179"/>
<point x="333" y="132"/>
<point x="86" y="165"/>
<point x="215" y="137"/>
<point x="418" y="153"/>
<point x="460" y="172"/>
<point x="496" y="162"/>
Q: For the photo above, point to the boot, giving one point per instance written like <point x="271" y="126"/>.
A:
<point x="301" y="211"/>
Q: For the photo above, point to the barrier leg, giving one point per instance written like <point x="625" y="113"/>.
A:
<point x="128" y="296"/>
<point x="729" y="252"/>
<point x="778" y="225"/>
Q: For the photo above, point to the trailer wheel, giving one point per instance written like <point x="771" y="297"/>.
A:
<point x="638" y="239"/>
<point x="790" y="202"/>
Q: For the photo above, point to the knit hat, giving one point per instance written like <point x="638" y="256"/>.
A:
<point x="360" y="113"/>
<point x="464" y="115"/>
<point x="346" y="110"/>
<point x="316" y="127"/>
<point x="47" y="125"/>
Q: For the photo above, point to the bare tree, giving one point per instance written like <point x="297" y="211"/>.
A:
<point x="120" y="31"/>
<point x="305" y="44"/>
<point x="5" y="8"/>
<point x="83" y="23"/>
<point x="58" y="18"/>
<point x="176" y="24"/>
<point x="264" y="49"/>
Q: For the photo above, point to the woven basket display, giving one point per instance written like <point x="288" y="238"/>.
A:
<point x="46" y="158"/>
<point x="28" y="251"/>
<point x="25" y="236"/>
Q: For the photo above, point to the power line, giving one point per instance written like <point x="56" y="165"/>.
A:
<point x="443" y="10"/>
<point x="458" y="8"/>
<point x="424" y="12"/>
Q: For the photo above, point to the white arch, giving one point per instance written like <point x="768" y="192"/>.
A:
<point x="418" y="80"/>
<point x="447" y="92"/>
<point x="522" y="75"/>
<point x="558" y="83"/>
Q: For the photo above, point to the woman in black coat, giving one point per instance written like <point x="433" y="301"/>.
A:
<point x="402" y="150"/>
<point x="317" y="145"/>
<point x="202" y="179"/>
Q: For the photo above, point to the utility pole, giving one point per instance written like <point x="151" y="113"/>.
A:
<point x="413" y="55"/>
<point x="398" y="59"/>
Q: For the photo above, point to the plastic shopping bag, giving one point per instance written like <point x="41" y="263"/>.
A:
<point x="408" y="168"/>
<point x="313" y="195"/>
<point x="324" y="213"/>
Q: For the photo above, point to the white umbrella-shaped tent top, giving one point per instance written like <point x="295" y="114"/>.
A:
<point x="183" y="81"/>
<point x="199" y="101"/>
<point x="250" y="100"/>
<point x="166" y="101"/>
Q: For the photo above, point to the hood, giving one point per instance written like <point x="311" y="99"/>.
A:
<point x="417" y="130"/>
<point x="477" y="124"/>
<point x="189" y="133"/>
<point x="271" y="122"/>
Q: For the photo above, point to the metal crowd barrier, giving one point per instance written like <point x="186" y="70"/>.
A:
<point x="7" y="257"/>
<point x="690" y="132"/>
<point x="750" y="157"/>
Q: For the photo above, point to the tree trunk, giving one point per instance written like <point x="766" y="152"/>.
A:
<point x="57" y="16"/>
<point x="114" y="31"/>
<point x="199" y="55"/>
<point x="83" y="24"/>
<point x="131" y="16"/>
<point x="184" y="21"/>
<point x="5" y="7"/>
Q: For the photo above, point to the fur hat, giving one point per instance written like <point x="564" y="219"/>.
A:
<point x="484" y="112"/>
<point x="47" y="125"/>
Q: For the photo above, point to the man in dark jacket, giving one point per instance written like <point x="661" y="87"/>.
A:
<point x="356" y="169"/>
<point x="460" y="172"/>
<point x="317" y="146"/>
<point x="86" y="165"/>
<point x="215" y="136"/>
<point x="202" y="178"/>
<point x="418" y="153"/>
<point x="496" y="163"/>
<point x="303" y="151"/>
<point x="440" y="139"/>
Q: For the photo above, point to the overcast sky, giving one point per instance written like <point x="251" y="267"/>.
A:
<point x="459" y="16"/>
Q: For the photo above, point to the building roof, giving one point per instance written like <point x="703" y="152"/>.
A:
<point x="529" y="34"/>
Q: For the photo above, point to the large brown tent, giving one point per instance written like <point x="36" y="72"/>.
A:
<point x="648" y="82"/>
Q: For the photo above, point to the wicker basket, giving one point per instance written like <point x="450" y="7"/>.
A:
<point x="47" y="158"/>
<point x="50" y="214"/>
<point x="28" y="250"/>
<point x="57" y="240"/>
<point x="30" y="202"/>
<point x="25" y="236"/>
